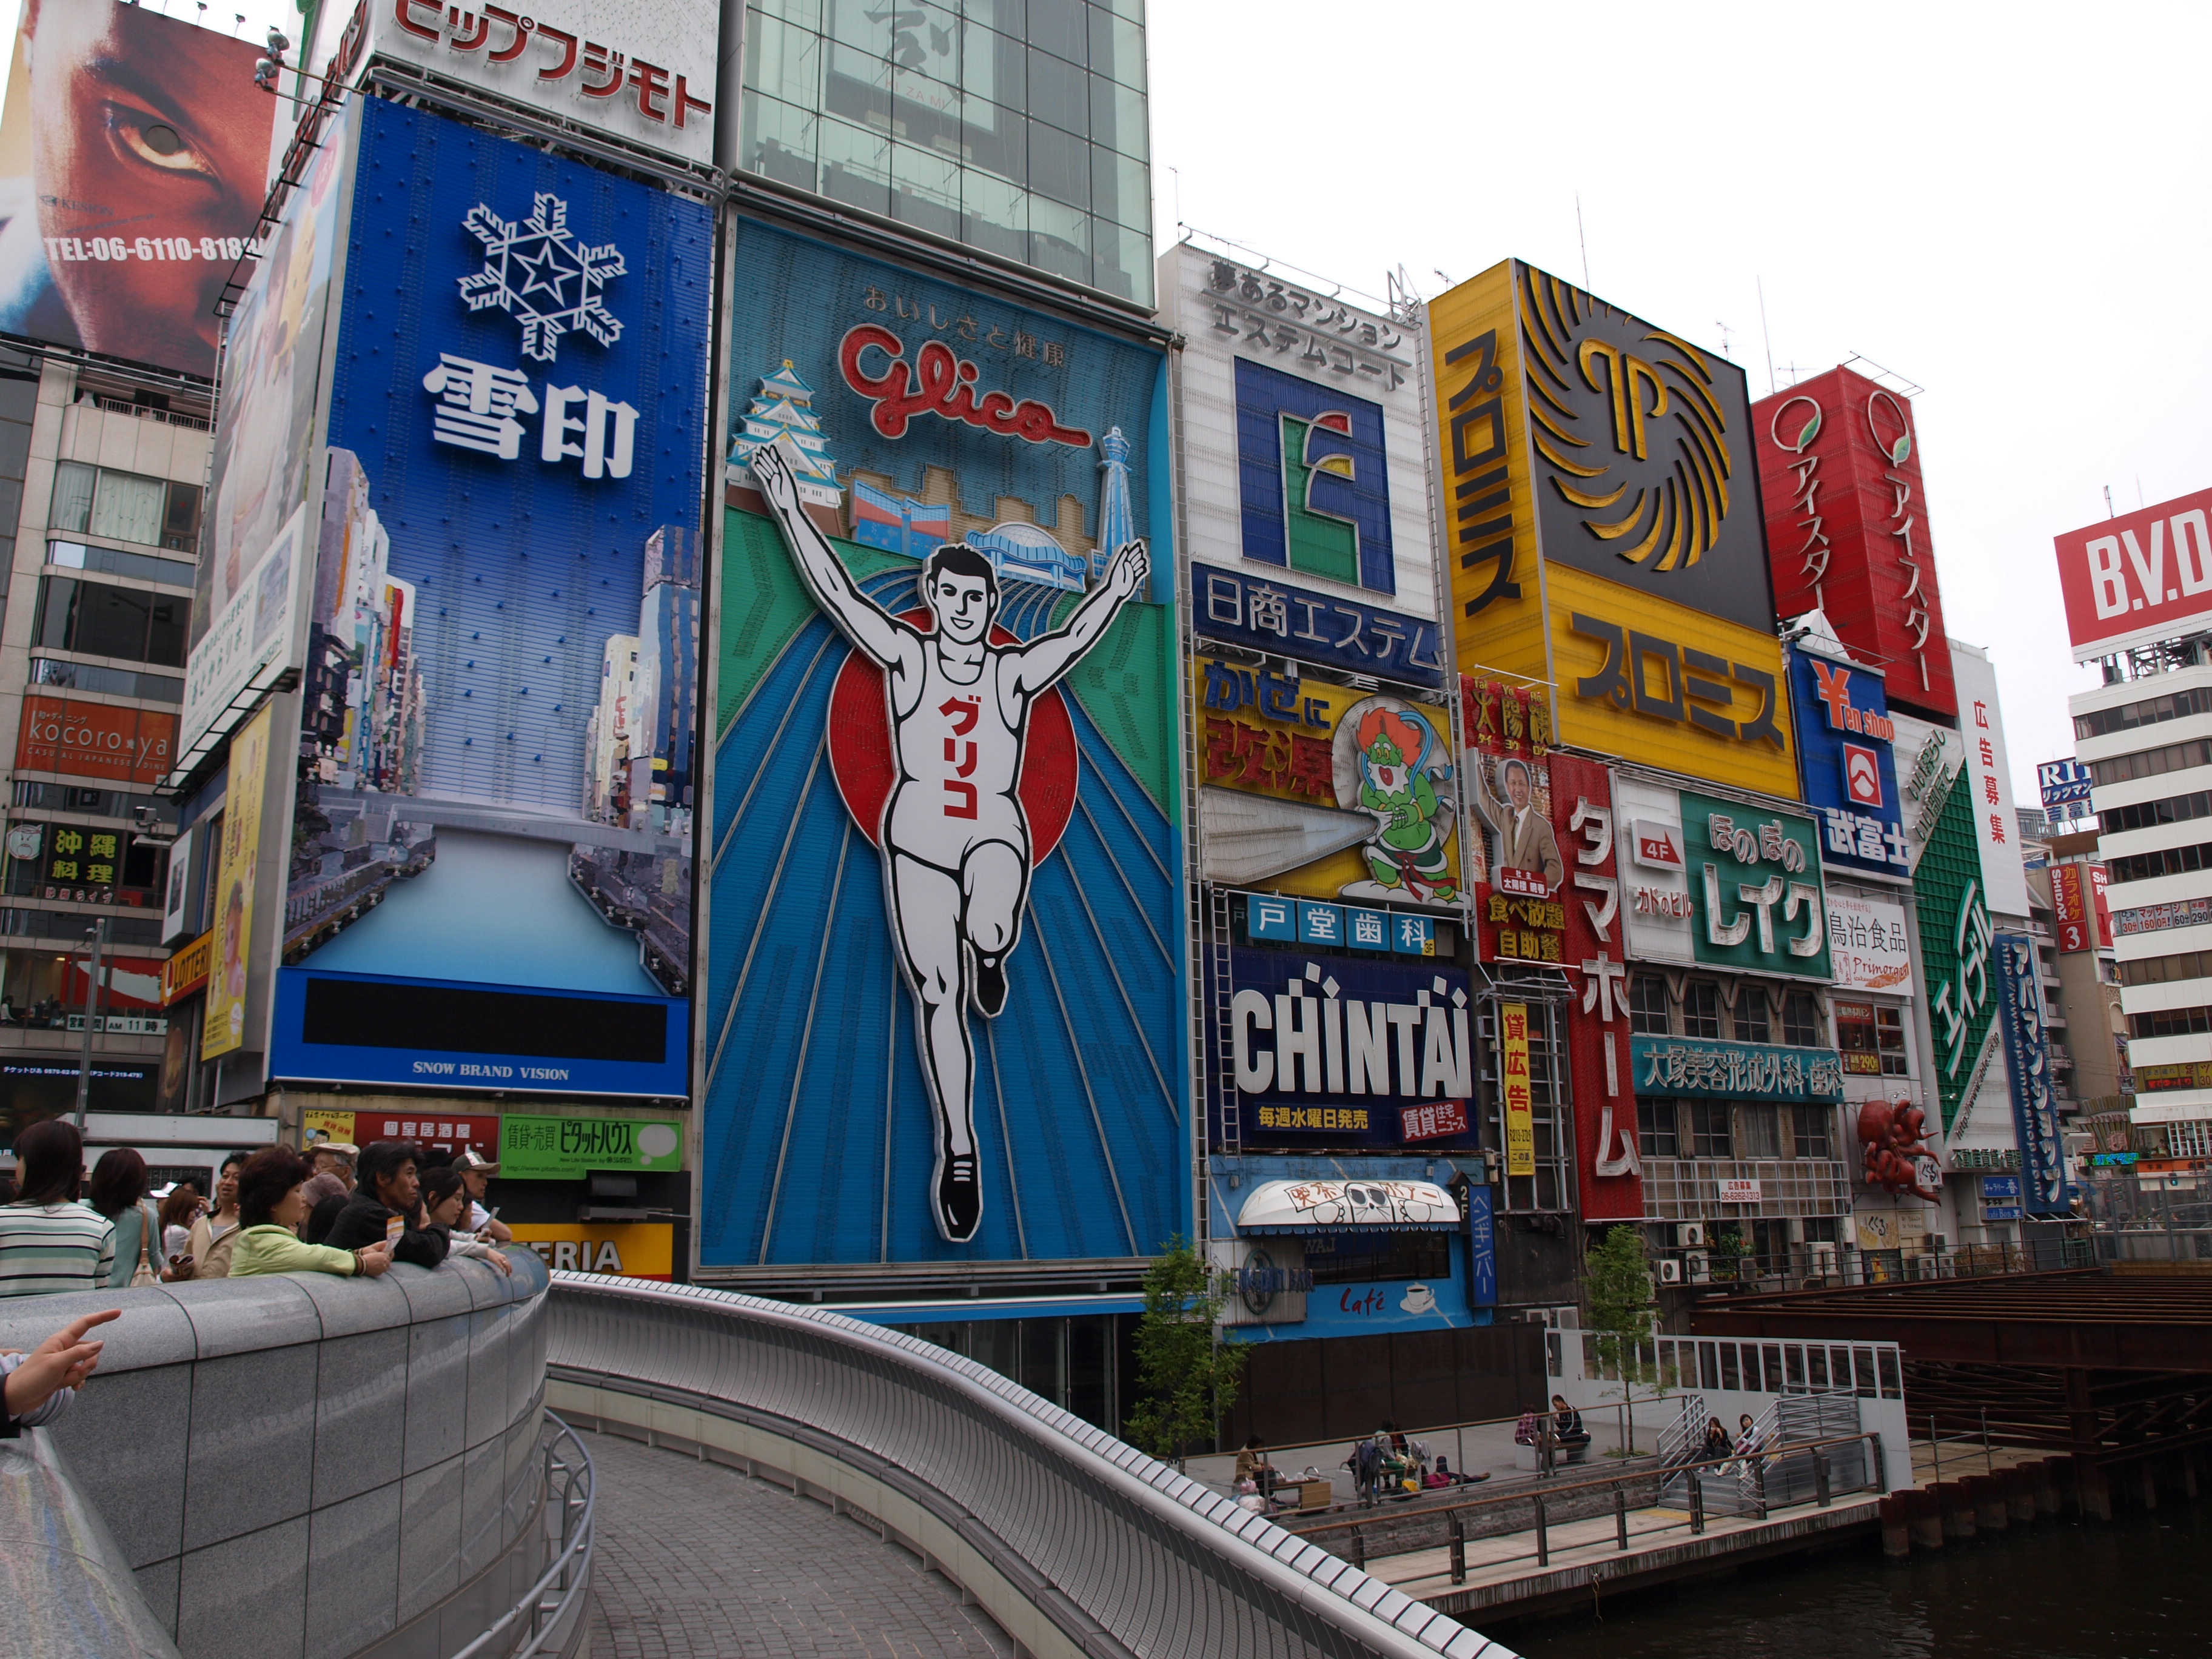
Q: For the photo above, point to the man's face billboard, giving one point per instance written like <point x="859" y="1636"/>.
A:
<point x="133" y="159"/>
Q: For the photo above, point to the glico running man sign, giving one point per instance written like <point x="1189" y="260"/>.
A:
<point x="941" y="1014"/>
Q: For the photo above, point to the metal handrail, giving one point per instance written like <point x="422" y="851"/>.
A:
<point x="1107" y="1544"/>
<point x="551" y="1622"/>
<point x="1552" y="1491"/>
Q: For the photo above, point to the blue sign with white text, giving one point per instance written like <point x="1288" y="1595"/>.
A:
<point x="495" y="796"/>
<point x="2045" y="1190"/>
<point x="1844" y="738"/>
<point x="1263" y="612"/>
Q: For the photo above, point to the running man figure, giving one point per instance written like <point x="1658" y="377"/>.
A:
<point x="955" y="839"/>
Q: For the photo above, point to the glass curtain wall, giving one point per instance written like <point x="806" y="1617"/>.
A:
<point x="1016" y="127"/>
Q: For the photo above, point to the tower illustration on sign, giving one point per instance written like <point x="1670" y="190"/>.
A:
<point x="783" y="407"/>
<point x="954" y="829"/>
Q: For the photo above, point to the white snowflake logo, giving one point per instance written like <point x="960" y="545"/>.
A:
<point x="543" y="277"/>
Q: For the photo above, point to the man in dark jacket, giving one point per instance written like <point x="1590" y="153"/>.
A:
<point x="388" y="1187"/>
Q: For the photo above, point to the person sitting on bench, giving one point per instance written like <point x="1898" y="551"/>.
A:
<point x="1567" y="1430"/>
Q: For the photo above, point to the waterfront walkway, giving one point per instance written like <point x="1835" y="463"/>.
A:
<point x="695" y="1561"/>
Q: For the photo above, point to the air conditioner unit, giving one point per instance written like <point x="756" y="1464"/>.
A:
<point x="1690" y="1236"/>
<point x="1823" y="1259"/>
<point x="1670" y="1270"/>
<point x="1694" y="1265"/>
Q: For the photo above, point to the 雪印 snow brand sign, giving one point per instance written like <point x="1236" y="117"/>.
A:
<point x="642" y="70"/>
<point x="495" y="768"/>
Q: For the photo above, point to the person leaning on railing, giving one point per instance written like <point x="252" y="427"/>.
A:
<point x="446" y="1201"/>
<point x="50" y="1242"/>
<point x="271" y="1207"/>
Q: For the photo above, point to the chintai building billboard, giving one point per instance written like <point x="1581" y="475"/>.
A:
<point x="942" y="1015"/>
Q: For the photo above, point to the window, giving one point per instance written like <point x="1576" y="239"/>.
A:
<point x="125" y="507"/>
<point x="1709" y="1128"/>
<point x="2171" y="1022"/>
<point x="1854" y="1036"/>
<point x="2150" y="814"/>
<point x="1889" y="1033"/>
<point x="1801" y="1020"/>
<point x="1701" y="1009"/>
<point x="2188" y="1140"/>
<point x="2152" y="712"/>
<point x="1815" y="1126"/>
<point x="2163" y="970"/>
<point x="102" y="620"/>
<point x="1761" y="1125"/>
<point x="116" y="682"/>
<point x="1647" y="1005"/>
<point x="99" y="803"/>
<point x="2151" y="762"/>
<point x="1750" y="1022"/>
<point x="1656" y="1129"/>
<point x="115" y="562"/>
<point x="1364" y="1258"/>
<point x="2171" y="862"/>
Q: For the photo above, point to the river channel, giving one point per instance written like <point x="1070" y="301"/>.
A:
<point x="2137" y="1588"/>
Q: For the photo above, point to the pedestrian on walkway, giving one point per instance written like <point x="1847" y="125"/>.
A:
<point x="271" y="1208"/>
<point x="50" y="1242"/>
<point x="387" y="1203"/>
<point x="444" y="1201"/>
<point x="476" y="1171"/>
<point x="118" y="1193"/>
<point x="215" y="1236"/>
<point x="40" y="1385"/>
<point x="182" y="1207"/>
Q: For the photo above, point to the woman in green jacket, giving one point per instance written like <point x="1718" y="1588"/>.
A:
<point x="271" y="1208"/>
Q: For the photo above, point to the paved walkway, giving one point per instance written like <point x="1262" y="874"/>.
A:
<point x="696" y="1561"/>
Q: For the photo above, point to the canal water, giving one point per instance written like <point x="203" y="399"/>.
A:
<point x="2137" y="1588"/>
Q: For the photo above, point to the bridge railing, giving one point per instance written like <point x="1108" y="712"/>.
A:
<point x="1075" y="1542"/>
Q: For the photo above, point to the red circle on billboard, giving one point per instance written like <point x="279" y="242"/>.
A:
<point x="861" y="762"/>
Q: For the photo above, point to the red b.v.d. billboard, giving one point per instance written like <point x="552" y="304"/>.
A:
<point x="2137" y="578"/>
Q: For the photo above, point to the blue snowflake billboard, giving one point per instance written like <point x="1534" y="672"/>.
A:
<point x="491" y="876"/>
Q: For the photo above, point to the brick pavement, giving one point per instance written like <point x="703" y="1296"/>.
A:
<point x="695" y="1560"/>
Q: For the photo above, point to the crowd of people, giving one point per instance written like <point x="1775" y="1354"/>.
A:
<point x="338" y="1210"/>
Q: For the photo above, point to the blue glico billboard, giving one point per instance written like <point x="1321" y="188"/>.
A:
<point x="489" y="884"/>
<point x="1840" y="711"/>
<point x="943" y="1006"/>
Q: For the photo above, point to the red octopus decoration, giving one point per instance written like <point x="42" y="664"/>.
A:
<point x="1894" y="1133"/>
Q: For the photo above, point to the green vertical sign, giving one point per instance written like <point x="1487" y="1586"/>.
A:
<point x="1755" y="897"/>
<point x="1955" y="945"/>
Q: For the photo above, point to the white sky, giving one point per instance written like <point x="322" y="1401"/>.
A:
<point x="2006" y="204"/>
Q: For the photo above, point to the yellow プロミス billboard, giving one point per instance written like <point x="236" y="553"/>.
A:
<point x="1596" y="467"/>
<point x="1323" y="790"/>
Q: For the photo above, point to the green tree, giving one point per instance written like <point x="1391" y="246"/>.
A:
<point x="1189" y="1375"/>
<point x="1625" y="1317"/>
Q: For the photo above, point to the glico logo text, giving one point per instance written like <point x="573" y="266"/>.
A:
<point x="937" y="382"/>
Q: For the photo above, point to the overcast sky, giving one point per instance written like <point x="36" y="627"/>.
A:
<point x="2007" y="206"/>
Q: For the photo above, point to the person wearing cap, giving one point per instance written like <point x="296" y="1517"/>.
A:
<point x="334" y="1157"/>
<point x="476" y="1171"/>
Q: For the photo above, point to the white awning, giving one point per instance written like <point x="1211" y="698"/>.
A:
<point x="1358" y="1205"/>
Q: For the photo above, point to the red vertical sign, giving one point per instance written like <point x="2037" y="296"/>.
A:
<point x="2070" y="906"/>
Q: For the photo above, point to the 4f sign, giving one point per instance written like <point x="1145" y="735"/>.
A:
<point x="2140" y="577"/>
